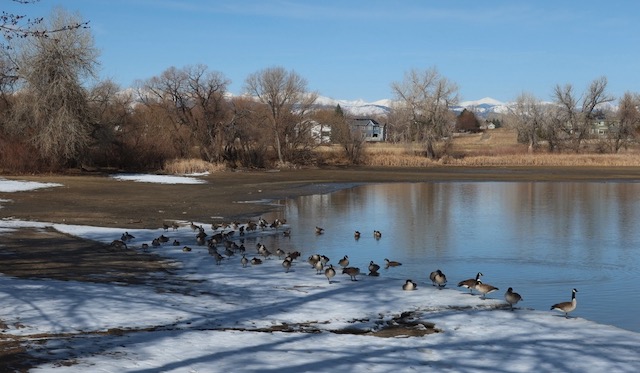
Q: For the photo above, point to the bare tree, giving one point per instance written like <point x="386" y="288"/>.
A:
<point x="193" y="98"/>
<point x="626" y="128"/>
<point x="574" y="120"/>
<point x="53" y="111"/>
<point x="288" y="100"/>
<point x="527" y="116"/>
<point x="425" y="97"/>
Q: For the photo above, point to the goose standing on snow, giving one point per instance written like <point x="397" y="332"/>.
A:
<point x="485" y="289"/>
<point x="344" y="262"/>
<point x="330" y="272"/>
<point x="512" y="298"/>
<point x="567" y="307"/>
<point x="470" y="283"/>
<point x="438" y="278"/>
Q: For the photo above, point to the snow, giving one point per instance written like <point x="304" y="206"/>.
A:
<point x="10" y="186"/>
<point x="160" y="179"/>
<point x="224" y="320"/>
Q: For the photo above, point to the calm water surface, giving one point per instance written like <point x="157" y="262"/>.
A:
<point x="541" y="238"/>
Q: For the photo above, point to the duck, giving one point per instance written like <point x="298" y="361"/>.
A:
<point x="511" y="297"/>
<point x="409" y="285"/>
<point x="344" y="261"/>
<point x="485" y="289"/>
<point x="330" y="272"/>
<point x="352" y="272"/>
<point x="438" y="278"/>
<point x="470" y="283"/>
<point x="373" y="267"/>
<point x="391" y="263"/>
<point x="567" y="307"/>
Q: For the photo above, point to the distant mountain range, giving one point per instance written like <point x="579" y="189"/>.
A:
<point x="481" y="108"/>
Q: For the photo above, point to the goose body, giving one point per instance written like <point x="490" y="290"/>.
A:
<point x="567" y="307"/>
<point x="391" y="263"/>
<point x="319" y="230"/>
<point x="344" y="262"/>
<point x="438" y="278"/>
<point x="352" y="272"/>
<point x="287" y="265"/>
<point x="511" y="297"/>
<point x="373" y="267"/>
<point x="356" y="235"/>
<point x="485" y="289"/>
<point x="319" y="266"/>
<point x="409" y="285"/>
<point x="330" y="272"/>
<point x="470" y="283"/>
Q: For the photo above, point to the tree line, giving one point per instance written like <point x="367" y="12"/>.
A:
<point x="56" y="113"/>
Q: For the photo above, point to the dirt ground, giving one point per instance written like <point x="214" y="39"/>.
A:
<point x="96" y="199"/>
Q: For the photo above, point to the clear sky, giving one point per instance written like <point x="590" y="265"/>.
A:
<point x="355" y="49"/>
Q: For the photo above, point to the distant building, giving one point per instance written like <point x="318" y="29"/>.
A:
<point x="371" y="130"/>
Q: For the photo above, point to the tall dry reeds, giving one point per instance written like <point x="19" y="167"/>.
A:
<point x="191" y="166"/>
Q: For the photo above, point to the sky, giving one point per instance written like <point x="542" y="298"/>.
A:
<point x="214" y="323"/>
<point x="351" y="50"/>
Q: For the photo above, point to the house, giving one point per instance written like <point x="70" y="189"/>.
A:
<point x="601" y="127"/>
<point x="371" y="130"/>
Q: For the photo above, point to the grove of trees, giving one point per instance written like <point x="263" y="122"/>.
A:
<point x="56" y="114"/>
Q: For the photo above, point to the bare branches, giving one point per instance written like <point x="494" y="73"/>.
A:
<point x="19" y="26"/>
<point x="425" y="97"/>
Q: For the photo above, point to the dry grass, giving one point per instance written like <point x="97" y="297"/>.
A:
<point x="493" y="148"/>
<point x="191" y="166"/>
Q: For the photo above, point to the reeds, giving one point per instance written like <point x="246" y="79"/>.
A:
<point x="191" y="166"/>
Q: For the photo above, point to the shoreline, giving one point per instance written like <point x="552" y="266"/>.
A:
<point x="97" y="199"/>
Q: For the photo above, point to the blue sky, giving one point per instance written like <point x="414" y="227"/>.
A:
<point x="355" y="49"/>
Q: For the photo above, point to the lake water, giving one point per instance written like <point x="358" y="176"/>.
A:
<point x="541" y="238"/>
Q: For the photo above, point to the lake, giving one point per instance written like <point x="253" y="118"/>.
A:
<point x="541" y="238"/>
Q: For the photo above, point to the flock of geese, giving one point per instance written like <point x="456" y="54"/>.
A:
<point x="317" y="261"/>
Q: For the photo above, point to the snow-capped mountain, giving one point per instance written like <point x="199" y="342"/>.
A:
<point x="482" y="107"/>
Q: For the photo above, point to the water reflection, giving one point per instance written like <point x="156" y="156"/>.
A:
<point x="541" y="238"/>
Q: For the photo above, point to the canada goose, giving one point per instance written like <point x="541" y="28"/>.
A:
<point x="256" y="261"/>
<point x="287" y="233"/>
<point x="377" y="235"/>
<point x="356" y="235"/>
<point x="470" y="283"/>
<point x="409" y="285"/>
<point x="512" y="298"/>
<point x="352" y="272"/>
<point x="438" y="278"/>
<point x="176" y="243"/>
<point x="344" y="261"/>
<point x="174" y="226"/>
<point x="145" y="247"/>
<point x="287" y="265"/>
<point x="118" y="244"/>
<point x="126" y="237"/>
<point x="193" y="226"/>
<point x="244" y="261"/>
<point x="155" y="242"/>
<point x="280" y="253"/>
<point x="567" y="307"/>
<point x="295" y="255"/>
<point x="485" y="289"/>
<point x="163" y="238"/>
<point x="391" y="263"/>
<point x="373" y="267"/>
<point x="319" y="266"/>
<point x="186" y="249"/>
<point x="165" y="226"/>
<point x="319" y="230"/>
<point x="330" y="272"/>
<point x="324" y="259"/>
<point x="218" y="258"/>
